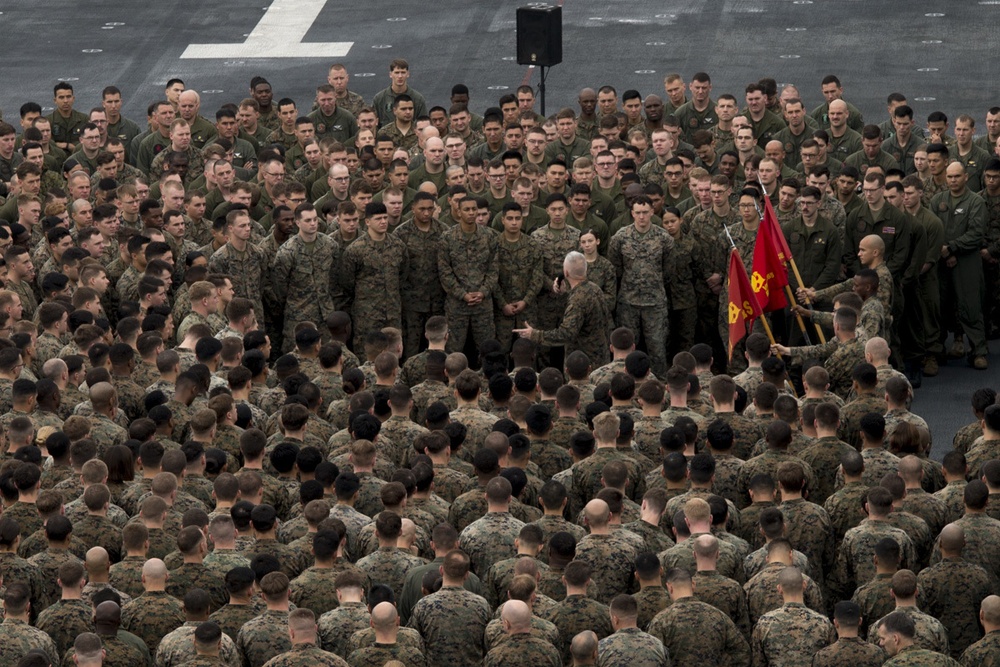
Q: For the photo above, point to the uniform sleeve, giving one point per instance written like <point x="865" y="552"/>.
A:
<point x="446" y="272"/>
<point x="827" y="293"/>
<point x="851" y="240"/>
<point x="740" y="652"/>
<point x="615" y="255"/>
<point x="840" y="580"/>
<point x="536" y="282"/>
<point x="821" y="351"/>
<point x="491" y="277"/>
<point x="569" y="327"/>
<point x="348" y="271"/>
<point x="972" y="240"/>
<point x="280" y="274"/>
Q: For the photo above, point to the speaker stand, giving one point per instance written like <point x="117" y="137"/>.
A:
<point x="541" y="89"/>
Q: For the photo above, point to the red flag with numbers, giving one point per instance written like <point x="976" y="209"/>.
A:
<point x="743" y="306"/>
<point x="768" y="275"/>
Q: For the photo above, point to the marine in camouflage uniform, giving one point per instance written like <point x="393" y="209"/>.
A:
<point x="729" y="564"/>
<point x="851" y="414"/>
<point x="421" y="291"/>
<point x="854" y="565"/>
<point x="584" y="325"/>
<point x="843" y="508"/>
<point x="64" y="620"/>
<point x="389" y="566"/>
<point x="196" y="164"/>
<point x="653" y="536"/>
<point x="849" y="651"/>
<point x="468" y="263"/>
<point x="106" y="433"/>
<point x="611" y="559"/>
<point x="576" y="613"/>
<point x="17" y="638"/>
<point x="523" y="649"/>
<point x="588" y="472"/>
<point x="48" y="563"/>
<point x="878" y="463"/>
<point x="790" y="635"/>
<point x="177" y="648"/>
<point x="452" y="622"/>
<point x="306" y="655"/>
<point x="953" y="496"/>
<point x="984" y="652"/>
<point x="245" y="269"/>
<point x="555" y="245"/>
<point x="926" y="506"/>
<point x="632" y="646"/>
<point x="490" y="539"/>
<point x="372" y="272"/>
<point x="315" y="588"/>
<point x="152" y="616"/>
<point x="27" y="517"/>
<point x="930" y="633"/>
<point x="338" y="625"/>
<point x="824" y="456"/>
<point x="952" y="591"/>
<point x="366" y="637"/>
<point x="725" y="595"/>
<point x="696" y="633"/>
<point x="378" y="655"/>
<point x="305" y="278"/>
<point x="263" y="638"/>
<point x="643" y="261"/>
<point x="520" y="278"/>
<point x="198" y="575"/>
<point x="126" y="575"/>
<point x="763" y="596"/>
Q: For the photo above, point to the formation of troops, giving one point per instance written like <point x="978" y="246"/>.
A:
<point x="332" y="382"/>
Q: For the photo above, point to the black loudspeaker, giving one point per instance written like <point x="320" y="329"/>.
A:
<point x="539" y="36"/>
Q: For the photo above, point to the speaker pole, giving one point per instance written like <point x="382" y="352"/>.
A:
<point x="541" y="89"/>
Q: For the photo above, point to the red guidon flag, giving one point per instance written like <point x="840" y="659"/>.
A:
<point x="768" y="276"/>
<point x="770" y="220"/>
<point x="743" y="306"/>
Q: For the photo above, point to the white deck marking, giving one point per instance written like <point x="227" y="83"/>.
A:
<point x="278" y="34"/>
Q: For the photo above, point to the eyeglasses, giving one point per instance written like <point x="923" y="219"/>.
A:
<point x="747" y="205"/>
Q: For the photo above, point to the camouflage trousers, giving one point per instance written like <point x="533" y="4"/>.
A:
<point x="461" y="319"/>
<point x="648" y="323"/>
<point x="414" y="322"/>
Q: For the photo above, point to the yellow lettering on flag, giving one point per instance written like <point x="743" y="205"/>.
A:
<point x="734" y="312"/>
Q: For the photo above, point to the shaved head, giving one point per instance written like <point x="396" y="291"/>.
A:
<point x="584" y="646"/>
<point x="518" y="616"/>
<point x="384" y="616"/>
<point x="953" y="538"/>
<point x="108" y="613"/>
<point x="97" y="560"/>
<point x="155" y="569"/>
<point x="790" y="579"/>
<point x="597" y="513"/>
<point x="872" y="241"/>
<point x="991" y="609"/>
<point x="706" y="546"/>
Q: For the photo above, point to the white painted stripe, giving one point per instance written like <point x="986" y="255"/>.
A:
<point x="278" y="34"/>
